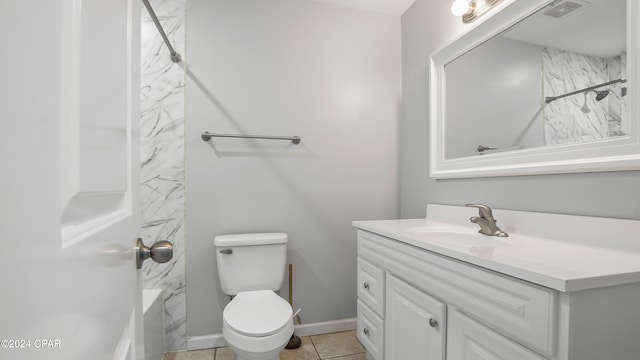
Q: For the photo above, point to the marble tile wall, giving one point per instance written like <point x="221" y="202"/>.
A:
<point x="581" y="117"/>
<point x="162" y="174"/>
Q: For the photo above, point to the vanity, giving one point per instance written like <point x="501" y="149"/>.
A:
<point x="533" y="87"/>
<point x="560" y="287"/>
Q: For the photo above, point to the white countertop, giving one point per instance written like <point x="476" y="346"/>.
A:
<point x="598" y="252"/>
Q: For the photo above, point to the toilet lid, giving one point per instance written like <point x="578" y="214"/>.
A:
<point x="257" y="313"/>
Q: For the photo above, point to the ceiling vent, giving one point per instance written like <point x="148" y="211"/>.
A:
<point x="562" y="9"/>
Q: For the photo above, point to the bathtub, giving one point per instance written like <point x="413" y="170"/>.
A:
<point x="153" y="318"/>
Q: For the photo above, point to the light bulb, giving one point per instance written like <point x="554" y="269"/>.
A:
<point x="460" y="7"/>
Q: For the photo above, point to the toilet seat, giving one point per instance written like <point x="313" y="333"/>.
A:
<point x="257" y="313"/>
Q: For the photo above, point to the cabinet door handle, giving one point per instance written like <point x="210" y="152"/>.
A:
<point x="433" y="322"/>
<point x="365" y="285"/>
<point x="365" y="331"/>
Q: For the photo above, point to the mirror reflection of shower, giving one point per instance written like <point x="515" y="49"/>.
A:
<point x="599" y="94"/>
<point x="585" y="108"/>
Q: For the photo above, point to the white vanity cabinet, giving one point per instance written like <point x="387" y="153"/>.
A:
<point x="415" y="304"/>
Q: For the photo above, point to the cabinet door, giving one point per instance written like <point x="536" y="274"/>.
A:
<point x="414" y="323"/>
<point x="470" y="340"/>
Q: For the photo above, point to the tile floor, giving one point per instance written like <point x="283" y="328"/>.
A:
<point x="335" y="346"/>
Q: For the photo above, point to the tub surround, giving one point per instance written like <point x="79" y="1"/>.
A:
<point x="162" y="174"/>
<point x="561" y="252"/>
<point x="153" y="316"/>
<point x="581" y="117"/>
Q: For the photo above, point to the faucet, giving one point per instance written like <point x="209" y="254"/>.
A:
<point x="486" y="221"/>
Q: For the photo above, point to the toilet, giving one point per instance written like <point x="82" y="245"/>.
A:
<point x="257" y="323"/>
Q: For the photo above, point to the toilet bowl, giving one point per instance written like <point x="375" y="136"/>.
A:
<point x="257" y="325"/>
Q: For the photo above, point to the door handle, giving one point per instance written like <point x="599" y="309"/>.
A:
<point x="160" y="252"/>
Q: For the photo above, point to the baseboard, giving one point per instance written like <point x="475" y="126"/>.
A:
<point x="216" y="340"/>
<point x="326" y="327"/>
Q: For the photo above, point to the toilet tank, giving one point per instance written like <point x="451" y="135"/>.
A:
<point x="251" y="261"/>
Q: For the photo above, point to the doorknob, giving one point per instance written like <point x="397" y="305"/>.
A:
<point x="160" y="252"/>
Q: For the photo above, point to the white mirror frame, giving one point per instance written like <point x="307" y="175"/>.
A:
<point x="615" y="154"/>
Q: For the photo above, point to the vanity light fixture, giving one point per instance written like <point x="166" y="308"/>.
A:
<point x="462" y="7"/>
<point x="472" y="9"/>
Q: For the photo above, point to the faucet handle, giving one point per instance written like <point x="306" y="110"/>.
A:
<point x="484" y="211"/>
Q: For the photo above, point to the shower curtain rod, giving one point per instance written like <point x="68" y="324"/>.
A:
<point x="175" y="57"/>
<point x="549" y="99"/>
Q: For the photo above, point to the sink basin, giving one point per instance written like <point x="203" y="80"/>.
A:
<point x="467" y="240"/>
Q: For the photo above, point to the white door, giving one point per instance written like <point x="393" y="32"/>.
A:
<point x="69" y="83"/>
<point x="414" y="323"/>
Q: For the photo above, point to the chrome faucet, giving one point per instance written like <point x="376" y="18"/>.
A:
<point x="486" y="221"/>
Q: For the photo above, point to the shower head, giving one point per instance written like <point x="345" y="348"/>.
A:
<point x="601" y="94"/>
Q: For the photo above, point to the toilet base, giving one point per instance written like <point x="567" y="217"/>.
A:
<point x="241" y="355"/>
<point x="261" y="348"/>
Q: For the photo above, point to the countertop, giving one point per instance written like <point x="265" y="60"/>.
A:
<point x="560" y="264"/>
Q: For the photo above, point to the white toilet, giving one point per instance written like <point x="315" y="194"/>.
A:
<point x="257" y="322"/>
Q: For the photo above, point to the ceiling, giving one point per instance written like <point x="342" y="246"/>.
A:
<point x="598" y="29"/>
<point x="391" y="7"/>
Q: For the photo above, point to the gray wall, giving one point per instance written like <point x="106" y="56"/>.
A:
<point x="285" y="67"/>
<point x="479" y="80"/>
<point x="426" y="27"/>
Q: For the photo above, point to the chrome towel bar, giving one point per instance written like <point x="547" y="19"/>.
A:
<point x="206" y="136"/>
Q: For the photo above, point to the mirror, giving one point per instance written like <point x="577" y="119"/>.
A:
<point x="541" y="87"/>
